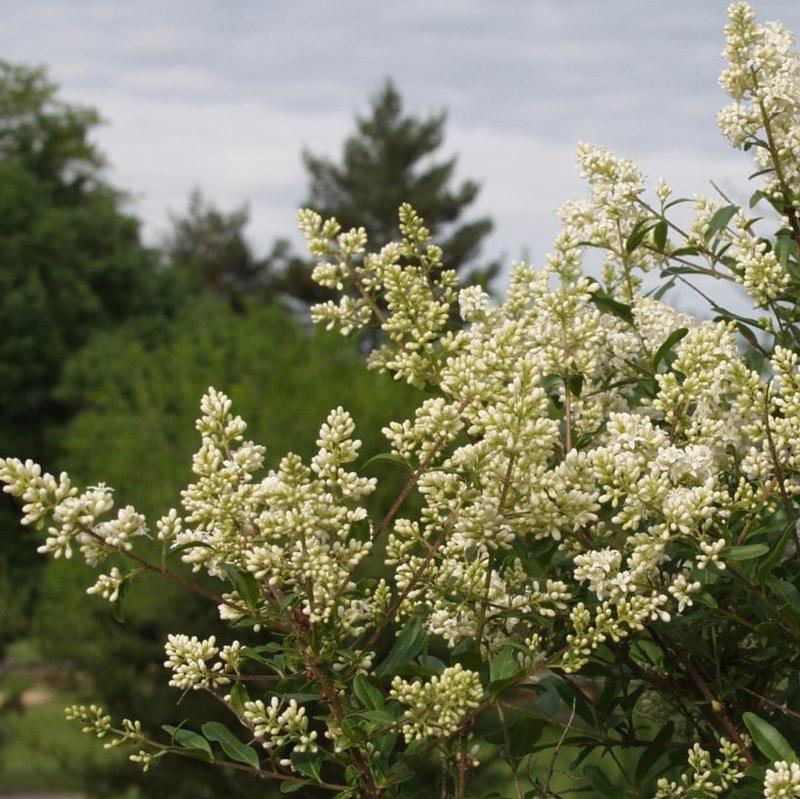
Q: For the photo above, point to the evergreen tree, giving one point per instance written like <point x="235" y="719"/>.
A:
<point x="209" y="248"/>
<point x="71" y="260"/>
<point x="386" y="163"/>
<point x="388" y="160"/>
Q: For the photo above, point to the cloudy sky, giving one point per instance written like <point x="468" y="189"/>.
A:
<point x="223" y="95"/>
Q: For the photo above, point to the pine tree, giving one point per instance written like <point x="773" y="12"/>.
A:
<point x="389" y="160"/>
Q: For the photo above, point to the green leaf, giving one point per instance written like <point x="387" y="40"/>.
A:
<point x="524" y="734"/>
<point x="574" y="384"/>
<point x="609" y="305"/>
<point x="187" y="739"/>
<point x="291" y="787"/>
<point x="671" y="340"/>
<point x="638" y="233"/>
<point x="239" y="696"/>
<point x="231" y="745"/>
<point x="381" y="716"/>
<point x="720" y="220"/>
<point x="778" y="550"/>
<point x="407" y="646"/>
<point x="660" y="236"/>
<point x="387" y="457"/>
<point x="653" y="753"/>
<point x="367" y="693"/>
<point x="747" y="552"/>
<point x="756" y="197"/>
<point x="503" y="665"/>
<point x="769" y="741"/>
<point x="784" y="246"/>
<point x="246" y="585"/>
<point x="788" y="593"/>
<point x="308" y="764"/>
<point x="600" y="782"/>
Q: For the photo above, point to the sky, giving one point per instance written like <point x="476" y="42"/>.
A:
<point x="224" y="95"/>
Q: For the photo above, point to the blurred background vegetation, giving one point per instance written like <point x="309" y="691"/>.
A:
<point x="107" y="347"/>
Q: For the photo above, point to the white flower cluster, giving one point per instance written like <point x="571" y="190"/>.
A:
<point x="108" y="585"/>
<point x="75" y="517"/>
<point x="763" y="80"/>
<point x="94" y="719"/>
<point x="188" y="659"/>
<point x="436" y="708"/>
<point x="708" y="778"/>
<point x="761" y="273"/>
<point x="292" y="529"/>
<point x="276" y="726"/>
<point x="97" y="722"/>
<point x="782" y="781"/>
<point x="417" y="295"/>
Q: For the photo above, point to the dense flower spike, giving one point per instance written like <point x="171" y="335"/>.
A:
<point x="435" y="709"/>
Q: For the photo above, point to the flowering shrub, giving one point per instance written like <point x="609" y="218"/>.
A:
<point x="606" y="560"/>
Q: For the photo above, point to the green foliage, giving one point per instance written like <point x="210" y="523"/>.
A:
<point x="71" y="262"/>
<point x="135" y="391"/>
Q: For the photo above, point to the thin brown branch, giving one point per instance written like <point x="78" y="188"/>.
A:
<point x="548" y="778"/>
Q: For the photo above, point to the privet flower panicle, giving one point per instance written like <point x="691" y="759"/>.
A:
<point x="436" y="708"/>
<point x="188" y="659"/>
<point x="277" y="725"/>
<point x="782" y="781"/>
<point x="708" y="777"/>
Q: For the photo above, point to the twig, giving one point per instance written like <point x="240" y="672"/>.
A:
<point x="549" y="776"/>
<point x="502" y="718"/>
<point x="783" y="708"/>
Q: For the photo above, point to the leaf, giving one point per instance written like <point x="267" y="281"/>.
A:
<point x="660" y="235"/>
<point x="671" y="340"/>
<point x="720" y="220"/>
<point x="187" y="739"/>
<point x="548" y="699"/>
<point x="600" y="782"/>
<point x="524" y="734"/>
<point x="367" y="693"/>
<point x="378" y="716"/>
<point x="747" y="552"/>
<point x="653" y="753"/>
<point x="685" y="251"/>
<point x="636" y="236"/>
<point x="231" y="745"/>
<point x="291" y="787"/>
<point x="574" y="384"/>
<point x="788" y="593"/>
<point x="609" y="305"/>
<point x="239" y="696"/>
<point x="769" y="741"/>
<point x="662" y="290"/>
<point x="783" y="248"/>
<point x="246" y="586"/>
<point x="387" y="457"/>
<point x="503" y="665"/>
<point x="308" y="764"/>
<point x="756" y="197"/>
<point x="778" y="550"/>
<point x="431" y="663"/>
<point x="407" y="646"/>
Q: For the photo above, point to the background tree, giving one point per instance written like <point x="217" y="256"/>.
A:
<point x="210" y="249"/>
<point x="390" y="159"/>
<point x="71" y="262"/>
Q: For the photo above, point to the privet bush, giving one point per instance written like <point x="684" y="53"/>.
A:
<point x="607" y="555"/>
